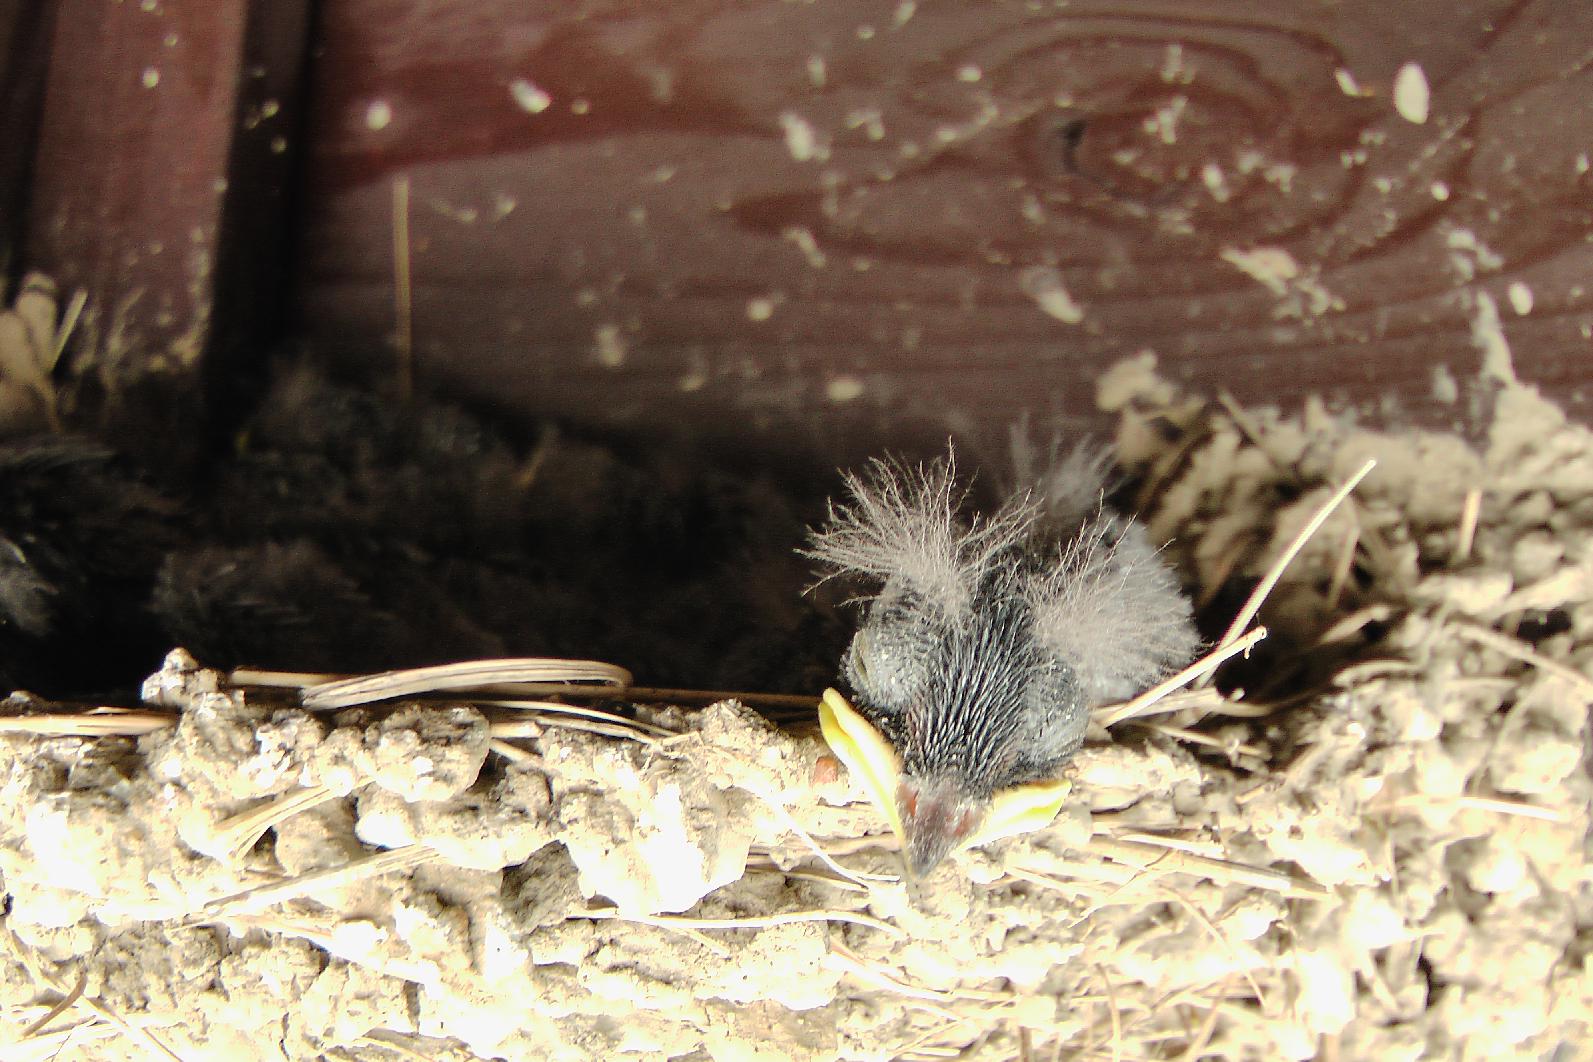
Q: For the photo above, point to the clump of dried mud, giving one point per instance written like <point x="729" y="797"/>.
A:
<point x="1378" y="848"/>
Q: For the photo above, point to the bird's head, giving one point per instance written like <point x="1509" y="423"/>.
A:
<point x="988" y="640"/>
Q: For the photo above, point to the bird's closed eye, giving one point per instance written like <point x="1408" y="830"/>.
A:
<point x="890" y="660"/>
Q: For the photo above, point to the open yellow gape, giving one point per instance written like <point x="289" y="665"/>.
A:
<point x="867" y="754"/>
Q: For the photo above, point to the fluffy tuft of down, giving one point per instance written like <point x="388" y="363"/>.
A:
<point x="1113" y="609"/>
<point x="1068" y="486"/>
<point x="904" y="527"/>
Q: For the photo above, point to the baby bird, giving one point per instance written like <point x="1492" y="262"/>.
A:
<point x="991" y="636"/>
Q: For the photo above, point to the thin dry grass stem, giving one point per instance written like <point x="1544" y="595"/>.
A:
<point x="1112" y="715"/>
<point x="807" y="839"/>
<point x="1466" y="534"/>
<point x="764" y="863"/>
<point x="250" y="901"/>
<point x="1255" y="436"/>
<point x="247" y="676"/>
<point x="1367" y="670"/>
<point x="241" y="832"/>
<point x="254" y="676"/>
<point x="916" y="1046"/>
<point x="849" y="845"/>
<point x="139" y="1035"/>
<point x="1342" y="565"/>
<point x="781" y="918"/>
<point x="1194" y="737"/>
<point x="1476" y="803"/>
<point x="575" y="710"/>
<point x="466" y="675"/>
<point x="531" y="724"/>
<point x="61" y="1007"/>
<point x="1207" y="849"/>
<point x="69" y="319"/>
<point x="533" y="728"/>
<point x="1259" y="595"/>
<point x="391" y="1041"/>
<point x="514" y="753"/>
<point x="1113" y="1011"/>
<point x="52" y="1045"/>
<point x="696" y="936"/>
<point x="1203" y="1035"/>
<point x="91" y="722"/>
<point x="850" y="961"/>
<point x="1222" y="871"/>
<point x="1354" y="623"/>
<point x="1222" y="939"/>
<point x="403" y="296"/>
<point x="1516" y="649"/>
<point x="1072" y="888"/>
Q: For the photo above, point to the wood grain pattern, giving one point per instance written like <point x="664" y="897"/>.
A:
<point x="160" y="174"/>
<point x="814" y="227"/>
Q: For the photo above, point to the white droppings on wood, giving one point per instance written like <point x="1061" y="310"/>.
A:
<point x="1043" y="284"/>
<point x="528" y="97"/>
<point x="1445" y="387"/>
<point x="1411" y="94"/>
<point x="1271" y="267"/>
<point x="1487" y="335"/>
<point x="1163" y="124"/>
<point x="378" y="115"/>
<point x="1216" y="183"/>
<point x="1520" y="297"/>
<point x="807" y="244"/>
<point x="610" y="347"/>
<point x="844" y="389"/>
<point x="801" y="140"/>
<point x="1348" y="85"/>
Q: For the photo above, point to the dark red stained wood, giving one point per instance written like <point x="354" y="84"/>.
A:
<point x="158" y="184"/>
<point x="24" y="51"/>
<point x="662" y="248"/>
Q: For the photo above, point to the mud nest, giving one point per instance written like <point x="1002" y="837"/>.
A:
<point x="1367" y="840"/>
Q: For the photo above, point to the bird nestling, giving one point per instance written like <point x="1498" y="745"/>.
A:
<point x="989" y="639"/>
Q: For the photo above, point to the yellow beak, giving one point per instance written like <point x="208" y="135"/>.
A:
<point x="869" y="757"/>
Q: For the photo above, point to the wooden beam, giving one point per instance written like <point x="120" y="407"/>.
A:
<point x="831" y="226"/>
<point x="160" y="179"/>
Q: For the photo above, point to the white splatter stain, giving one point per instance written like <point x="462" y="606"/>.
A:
<point x="610" y="346"/>
<point x="1487" y="334"/>
<point x="1445" y="389"/>
<point x="378" y="115"/>
<point x="1520" y="297"/>
<point x="1164" y="123"/>
<point x="1348" y="85"/>
<point x="801" y="140"/>
<point x="761" y="307"/>
<point x="528" y="97"/>
<point x="844" y="389"/>
<point x="1411" y="94"/>
<point x="1043" y="284"/>
<point x="805" y="242"/>
<point x="151" y="77"/>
